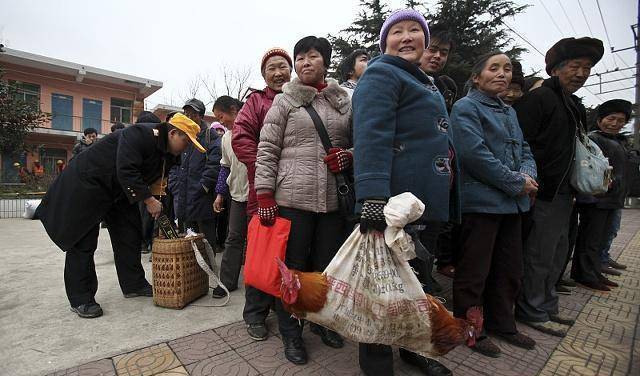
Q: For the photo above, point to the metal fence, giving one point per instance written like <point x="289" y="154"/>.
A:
<point x="13" y="205"/>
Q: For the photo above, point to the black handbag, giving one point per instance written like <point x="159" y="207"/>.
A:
<point x="344" y="182"/>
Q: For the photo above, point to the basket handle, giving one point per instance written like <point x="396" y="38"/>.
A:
<point x="212" y="274"/>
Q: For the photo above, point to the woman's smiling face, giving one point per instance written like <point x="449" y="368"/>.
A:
<point x="406" y="39"/>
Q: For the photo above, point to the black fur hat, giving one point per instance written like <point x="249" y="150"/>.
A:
<point x="613" y="106"/>
<point x="572" y="48"/>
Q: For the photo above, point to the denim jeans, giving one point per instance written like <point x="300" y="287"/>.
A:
<point x="612" y="232"/>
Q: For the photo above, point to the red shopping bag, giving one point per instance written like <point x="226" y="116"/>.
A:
<point x="264" y="244"/>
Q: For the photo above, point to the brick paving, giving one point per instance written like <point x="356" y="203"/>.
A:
<point x="605" y="340"/>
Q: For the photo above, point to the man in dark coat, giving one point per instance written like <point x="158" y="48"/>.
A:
<point x="196" y="177"/>
<point x="107" y="181"/>
<point x="90" y="136"/>
<point x="550" y="117"/>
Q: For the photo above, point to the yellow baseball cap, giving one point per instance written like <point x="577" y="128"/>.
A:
<point x="189" y="127"/>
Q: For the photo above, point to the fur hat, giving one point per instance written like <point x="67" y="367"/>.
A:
<point x="613" y="106"/>
<point x="517" y="77"/>
<point x="572" y="48"/>
<point x="399" y="16"/>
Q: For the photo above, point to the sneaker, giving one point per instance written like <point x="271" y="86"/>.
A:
<point x="88" y="311"/>
<point x="447" y="271"/>
<point x="563" y="290"/>
<point x="518" y="340"/>
<point x="218" y="293"/>
<point x="294" y="350"/>
<point x="145" y="291"/>
<point x="258" y="331"/>
<point x="487" y="348"/>
<point x="560" y="319"/>
<point x="607" y="269"/>
<point x="616" y="265"/>
<point x="567" y="283"/>
<point x="549" y="327"/>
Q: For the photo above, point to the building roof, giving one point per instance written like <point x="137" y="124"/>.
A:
<point x="145" y="86"/>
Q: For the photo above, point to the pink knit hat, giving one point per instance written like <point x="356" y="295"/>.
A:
<point x="217" y="125"/>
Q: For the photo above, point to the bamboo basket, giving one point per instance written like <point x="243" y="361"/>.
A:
<point x="177" y="278"/>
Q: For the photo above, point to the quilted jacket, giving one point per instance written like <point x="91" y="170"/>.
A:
<point x="290" y="153"/>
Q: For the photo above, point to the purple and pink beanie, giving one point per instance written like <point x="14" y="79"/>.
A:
<point x="402" y="15"/>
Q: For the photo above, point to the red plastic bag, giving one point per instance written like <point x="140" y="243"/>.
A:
<point x="264" y="244"/>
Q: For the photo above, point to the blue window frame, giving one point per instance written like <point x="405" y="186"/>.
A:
<point x="92" y="114"/>
<point x="62" y="112"/>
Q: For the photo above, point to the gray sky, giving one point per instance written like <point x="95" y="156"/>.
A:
<point x="175" y="41"/>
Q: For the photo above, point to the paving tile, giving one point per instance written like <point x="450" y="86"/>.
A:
<point x="235" y="335"/>
<point x="180" y="371"/>
<point x="225" y="364"/>
<point x="147" y="361"/>
<point x="103" y="367"/>
<point x="198" y="346"/>
<point x="265" y="356"/>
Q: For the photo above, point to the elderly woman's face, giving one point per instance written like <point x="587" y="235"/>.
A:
<point x="310" y="67"/>
<point x="277" y="72"/>
<point x="406" y="40"/>
<point x="495" y="77"/>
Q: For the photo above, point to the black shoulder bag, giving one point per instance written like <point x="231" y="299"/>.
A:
<point x="344" y="182"/>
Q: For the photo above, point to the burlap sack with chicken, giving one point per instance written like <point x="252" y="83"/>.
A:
<point x="370" y="294"/>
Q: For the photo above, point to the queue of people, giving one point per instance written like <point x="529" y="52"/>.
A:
<point x="492" y="168"/>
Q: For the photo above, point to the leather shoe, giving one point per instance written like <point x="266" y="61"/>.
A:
<point x="595" y="285"/>
<point x="606" y="269"/>
<point x="88" y="311"/>
<point x="329" y="337"/>
<point x="486" y="347"/>
<point x="517" y="339"/>
<point x="294" y="350"/>
<point x="428" y="366"/>
<point x="616" y="265"/>
<point x="607" y="282"/>
<point x="145" y="291"/>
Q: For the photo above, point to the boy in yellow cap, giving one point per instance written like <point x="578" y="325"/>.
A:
<point x="106" y="182"/>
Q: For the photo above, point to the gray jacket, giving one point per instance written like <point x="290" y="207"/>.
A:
<point x="290" y="153"/>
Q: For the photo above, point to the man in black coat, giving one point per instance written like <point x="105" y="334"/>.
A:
<point x="550" y="117"/>
<point x="195" y="179"/>
<point x="107" y="181"/>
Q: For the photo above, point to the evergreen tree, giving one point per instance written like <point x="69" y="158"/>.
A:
<point x="476" y="25"/>
<point x="17" y="118"/>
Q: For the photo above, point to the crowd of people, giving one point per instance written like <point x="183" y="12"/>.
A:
<point x="490" y="161"/>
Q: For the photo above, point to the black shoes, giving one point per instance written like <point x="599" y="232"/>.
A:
<point x="294" y="350"/>
<point x="329" y="337"/>
<point x="486" y="347"/>
<point x="145" y="291"/>
<point x="428" y="366"/>
<point x="563" y="290"/>
<point x="607" y="269"/>
<point x="616" y="265"/>
<point x="599" y="286"/>
<point x="88" y="311"/>
<point x="518" y="339"/>
<point x="218" y="293"/>
<point x="257" y="331"/>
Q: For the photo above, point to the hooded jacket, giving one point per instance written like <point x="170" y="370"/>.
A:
<point x="290" y="158"/>
<point x="549" y="119"/>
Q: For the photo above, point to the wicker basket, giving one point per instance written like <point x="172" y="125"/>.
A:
<point x="177" y="278"/>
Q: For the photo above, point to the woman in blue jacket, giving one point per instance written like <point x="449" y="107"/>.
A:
<point x="498" y="178"/>
<point x="402" y="143"/>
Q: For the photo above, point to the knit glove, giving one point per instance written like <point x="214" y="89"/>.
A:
<point x="267" y="208"/>
<point x="338" y="160"/>
<point x="372" y="216"/>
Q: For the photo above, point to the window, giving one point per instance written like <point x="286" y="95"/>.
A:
<point x="27" y="92"/>
<point x="62" y="112"/>
<point x="10" y="173"/>
<point x="49" y="157"/>
<point x="121" y="110"/>
<point x="92" y="114"/>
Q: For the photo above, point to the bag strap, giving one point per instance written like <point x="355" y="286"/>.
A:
<point x="211" y="273"/>
<point x="320" y="128"/>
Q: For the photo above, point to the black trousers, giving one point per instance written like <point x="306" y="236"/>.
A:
<point x="234" y="246"/>
<point x="592" y="239"/>
<point x="376" y="359"/>
<point x="206" y="227"/>
<point x="448" y="245"/>
<point x="125" y="231"/>
<point x="147" y="225"/>
<point x="257" y="305"/>
<point x="313" y="241"/>
<point x="573" y="237"/>
<point x="489" y="268"/>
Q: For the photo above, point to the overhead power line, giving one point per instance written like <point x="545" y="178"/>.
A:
<point x="568" y="19"/>
<point x="585" y="19"/>
<point x="552" y="18"/>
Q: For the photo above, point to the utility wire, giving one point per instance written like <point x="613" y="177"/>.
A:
<point x="523" y="38"/>
<point x="568" y="19"/>
<point x="585" y="18"/>
<point x="552" y="18"/>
